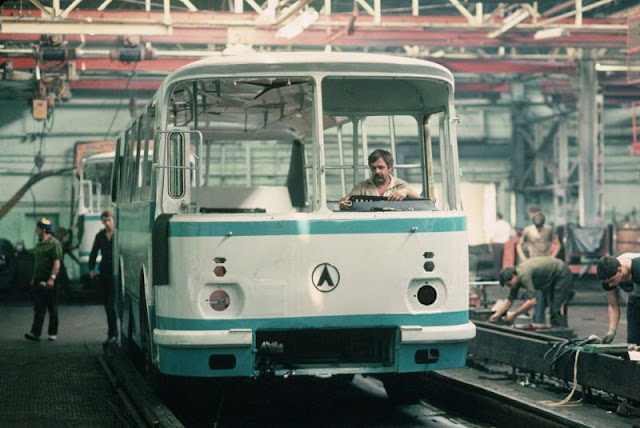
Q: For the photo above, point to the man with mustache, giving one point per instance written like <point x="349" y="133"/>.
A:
<point x="382" y="183"/>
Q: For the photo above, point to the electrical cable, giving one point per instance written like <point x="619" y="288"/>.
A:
<point x="567" y="400"/>
<point x="558" y="354"/>
<point x="113" y="119"/>
<point x="47" y="125"/>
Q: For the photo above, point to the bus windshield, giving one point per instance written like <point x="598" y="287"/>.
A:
<point x="263" y="145"/>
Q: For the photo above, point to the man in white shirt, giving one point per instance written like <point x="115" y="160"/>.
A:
<point x="382" y="183"/>
<point x="501" y="233"/>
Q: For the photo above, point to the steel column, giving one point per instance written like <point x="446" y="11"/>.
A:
<point x="587" y="141"/>
<point x="561" y="178"/>
<point x="518" y="154"/>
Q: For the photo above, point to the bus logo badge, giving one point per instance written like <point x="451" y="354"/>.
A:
<point x="325" y="277"/>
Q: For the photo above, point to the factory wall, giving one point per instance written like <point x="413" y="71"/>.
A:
<point x="29" y="147"/>
<point x="25" y="142"/>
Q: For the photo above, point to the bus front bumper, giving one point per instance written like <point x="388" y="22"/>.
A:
<point x="204" y="338"/>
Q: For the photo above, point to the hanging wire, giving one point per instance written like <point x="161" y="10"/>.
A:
<point x="113" y="119"/>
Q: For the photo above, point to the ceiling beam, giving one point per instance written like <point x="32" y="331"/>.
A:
<point x="167" y="65"/>
<point x="317" y="36"/>
<point x="458" y="41"/>
<point x="179" y="19"/>
<point x="99" y="28"/>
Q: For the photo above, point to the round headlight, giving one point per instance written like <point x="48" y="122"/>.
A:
<point x="219" y="300"/>
<point x="427" y="295"/>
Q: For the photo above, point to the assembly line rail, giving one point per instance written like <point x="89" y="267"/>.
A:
<point x="532" y="352"/>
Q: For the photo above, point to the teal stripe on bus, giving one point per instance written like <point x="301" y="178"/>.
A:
<point x="316" y="227"/>
<point x="340" y="321"/>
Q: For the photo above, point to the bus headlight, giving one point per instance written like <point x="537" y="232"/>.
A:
<point x="219" y="300"/>
<point x="427" y="294"/>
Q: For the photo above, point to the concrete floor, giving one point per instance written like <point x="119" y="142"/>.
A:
<point x="60" y="383"/>
<point x="55" y="383"/>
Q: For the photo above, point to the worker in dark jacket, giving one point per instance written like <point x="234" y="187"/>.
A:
<point x="103" y="244"/>
<point x="532" y="275"/>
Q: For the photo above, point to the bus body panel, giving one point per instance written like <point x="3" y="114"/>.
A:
<point x="377" y="268"/>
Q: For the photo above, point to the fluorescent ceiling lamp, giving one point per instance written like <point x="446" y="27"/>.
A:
<point x="551" y="33"/>
<point x="297" y="25"/>
<point x="509" y="22"/>
<point x="616" y="67"/>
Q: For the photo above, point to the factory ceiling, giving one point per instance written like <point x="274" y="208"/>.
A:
<point x="56" y="48"/>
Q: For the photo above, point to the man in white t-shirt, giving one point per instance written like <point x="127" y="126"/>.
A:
<point x="500" y="234"/>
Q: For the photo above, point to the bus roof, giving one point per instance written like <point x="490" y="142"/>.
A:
<point x="307" y="62"/>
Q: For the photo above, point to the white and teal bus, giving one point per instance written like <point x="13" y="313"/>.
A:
<point x="233" y="256"/>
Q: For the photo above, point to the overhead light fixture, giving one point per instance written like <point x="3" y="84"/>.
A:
<point x="551" y="33"/>
<point x="615" y="67"/>
<point x="297" y="25"/>
<point x="509" y="22"/>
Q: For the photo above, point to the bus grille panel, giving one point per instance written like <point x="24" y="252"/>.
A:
<point x="290" y="349"/>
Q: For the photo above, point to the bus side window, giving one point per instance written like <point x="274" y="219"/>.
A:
<point x="296" y="178"/>
<point x="133" y="167"/>
<point x="125" y="166"/>
<point x="116" y="172"/>
<point x="147" y="170"/>
<point x="176" y="154"/>
<point x="139" y="153"/>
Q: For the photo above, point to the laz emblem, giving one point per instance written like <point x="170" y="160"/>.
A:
<point x="325" y="277"/>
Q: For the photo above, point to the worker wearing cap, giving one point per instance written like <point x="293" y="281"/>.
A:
<point x="47" y="262"/>
<point x="532" y="275"/>
<point x="622" y="272"/>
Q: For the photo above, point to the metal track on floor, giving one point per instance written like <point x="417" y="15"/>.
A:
<point x="538" y="353"/>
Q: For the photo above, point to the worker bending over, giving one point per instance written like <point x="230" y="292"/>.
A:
<point x="535" y="274"/>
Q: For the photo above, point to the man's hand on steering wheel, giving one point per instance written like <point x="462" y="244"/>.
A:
<point x="397" y="195"/>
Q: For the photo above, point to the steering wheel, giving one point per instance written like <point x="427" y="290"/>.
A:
<point x="367" y="198"/>
<point x="359" y="199"/>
